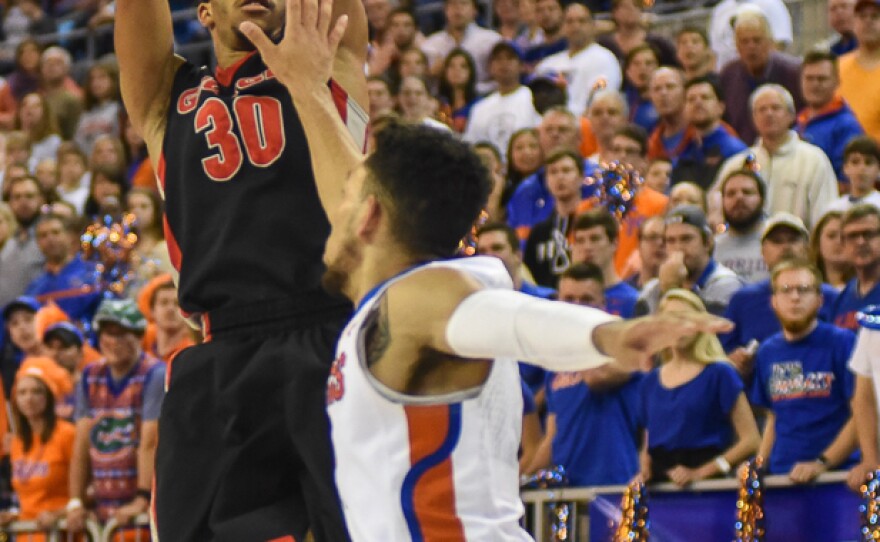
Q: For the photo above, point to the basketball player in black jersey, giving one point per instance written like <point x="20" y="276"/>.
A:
<point x="244" y="449"/>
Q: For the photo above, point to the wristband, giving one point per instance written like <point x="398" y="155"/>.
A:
<point x="723" y="464"/>
<point x="822" y="460"/>
<point x="145" y="493"/>
<point x="73" y="504"/>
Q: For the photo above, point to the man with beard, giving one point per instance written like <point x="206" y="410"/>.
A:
<point x="245" y="232"/>
<point x="415" y="397"/>
<point x="20" y="259"/>
<point x="742" y="206"/>
<point x="549" y="15"/>
<point x="783" y="237"/>
<point x="861" y="243"/>
<point x="708" y="142"/>
<point x="801" y="377"/>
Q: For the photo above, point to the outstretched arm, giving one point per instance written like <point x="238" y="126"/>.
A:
<point x="351" y="57"/>
<point x="303" y="61"/>
<point x="145" y="47"/>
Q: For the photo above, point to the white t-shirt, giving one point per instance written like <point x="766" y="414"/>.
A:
<point x="721" y="36"/>
<point x="865" y="360"/>
<point x="495" y="118"/>
<point x="845" y="202"/>
<point x="581" y="72"/>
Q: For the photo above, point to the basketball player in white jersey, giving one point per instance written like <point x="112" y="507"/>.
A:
<point x="424" y="397"/>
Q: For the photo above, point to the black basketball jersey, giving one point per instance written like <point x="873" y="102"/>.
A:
<point x="244" y="223"/>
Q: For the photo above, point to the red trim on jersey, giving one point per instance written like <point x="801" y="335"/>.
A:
<point x="160" y="173"/>
<point x="340" y="99"/>
<point x="206" y="328"/>
<point x="225" y="75"/>
<point x="434" y="493"/>
<point x="173" y="248"/>
<point x="287" y="538"/>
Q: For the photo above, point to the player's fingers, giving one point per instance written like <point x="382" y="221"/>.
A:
<point x="293" y="17"/>
<point x="259" y="38"/>
<point x="325" y="16"/>
<point x="336" y="35"/>
<point x="310" y="13"/>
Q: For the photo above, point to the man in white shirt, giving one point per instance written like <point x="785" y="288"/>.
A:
<point x="462" y="31"/>
<point x="585" y="63"/>
<point x="721" y="26"/>
<point x="497" y="116"/>
<point x="861" y="165"/>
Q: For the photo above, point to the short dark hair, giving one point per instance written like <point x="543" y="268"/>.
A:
<point x="635" y="133"/>
<point x="584" y="271"/>
<point x="864" y="145"/>
<point x="559" y="154"/>
<point x="627" y="60"/>
<point x="745" y="172"/>
<point x="706" y="80"/>
<point x="382" y="79"/>
<point x="488" y="145"/>
<point x="858" y="212"/>
<point x="433" y="185"/>
<point x="598" y="217"/>
<point x="503" y="227"/>
<point x="694" y="30"/>
<point x="815" y="56"/>
<point x="402" y="10"/>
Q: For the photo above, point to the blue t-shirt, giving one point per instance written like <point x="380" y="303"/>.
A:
<point x="620" y="299"/>
<point x="695" y="414"/>
<point x="850" y="302"/>
<point x="750" y="310"/>
<point x="671" y="144"/>
<point x="533" y="377"/>
<point x="808" y="386"/>
<point x="528" y="399"/>
<point x="535" y="290"/>
<point x="65" y="289"/>
<point x="596" y="431"/>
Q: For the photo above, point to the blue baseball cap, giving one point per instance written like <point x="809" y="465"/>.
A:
<point x="21" y="303"/>
<point x="65" y="332"/>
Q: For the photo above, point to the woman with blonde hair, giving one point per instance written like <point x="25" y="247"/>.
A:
<point x="694" y="411"/>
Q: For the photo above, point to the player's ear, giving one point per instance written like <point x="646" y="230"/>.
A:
<point x="370" y="218"/>
<point x="205" y="16"/>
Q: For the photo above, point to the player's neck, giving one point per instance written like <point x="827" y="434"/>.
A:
<point x="227" y="57"/>
<point x="377" y="267"/>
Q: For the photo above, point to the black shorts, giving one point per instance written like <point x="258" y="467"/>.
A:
<point x="244" y="445"/>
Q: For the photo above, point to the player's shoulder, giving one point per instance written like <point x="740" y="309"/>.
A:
<point x="456" y="275"/>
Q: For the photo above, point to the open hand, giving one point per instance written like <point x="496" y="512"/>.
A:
<point x="303" y="59"/>
<point x="632" y="342"/>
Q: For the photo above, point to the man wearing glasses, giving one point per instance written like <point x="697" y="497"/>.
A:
<point x="861" y="244"/>
<point x="801" y="377"/>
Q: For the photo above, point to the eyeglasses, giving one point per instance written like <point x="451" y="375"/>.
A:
<point x="656" y="238"/>
<point x="867" y="235"/>
<point x="801" y="289"/>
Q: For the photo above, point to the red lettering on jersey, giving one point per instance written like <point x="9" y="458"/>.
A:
<point x="213" y="118"/>
<point x="336" y="381"/>
<point x="189" y="99"/>
<point x="262" y="128"/>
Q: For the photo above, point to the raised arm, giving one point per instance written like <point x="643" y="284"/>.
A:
<point x="303" y="61"/>
<point x="145" y="47"/>
<point x="351" y="57"/>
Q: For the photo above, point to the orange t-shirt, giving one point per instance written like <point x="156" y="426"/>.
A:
<point x="40" y="476"/>
<point x="589" y="143"/>
<point x="648" y="203"/>
<point x="860" y="87"/>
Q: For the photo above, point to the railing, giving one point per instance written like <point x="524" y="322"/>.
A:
<point x="824" y="511"/>
<point x="27" y="531"/>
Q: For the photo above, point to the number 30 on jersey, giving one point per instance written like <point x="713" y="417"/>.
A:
<point x="259" y="139"/>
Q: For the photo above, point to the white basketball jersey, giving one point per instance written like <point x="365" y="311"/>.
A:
<point x="439" y="468"/>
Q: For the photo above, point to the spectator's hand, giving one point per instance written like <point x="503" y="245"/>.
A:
<point x="858" y="476"/>
<point x="7" y="517"/>
<point x="672" y="272"/>
<point x="630" y="342"/>
<point x="76" y="519"/>
<point x="743" y="360"/>
<point x="124" y="514"/>
<point x="303" y="59"/>
<point x="47" y="520"/>
<point x="806" y="471"/>
<point x="682" y="476"/>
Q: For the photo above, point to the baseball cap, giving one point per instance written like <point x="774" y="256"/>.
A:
<point x="505" y="46"/>
<point x="784" y="220"/>
<point x="688" y="214"/>
<point x="21" y="302"/>
<point x="46" y="370"/>
<point x="866" y="3"/>
<point x="551" y="78"/>
<point x="123" y="312"/>
<point x="65" y="332"/>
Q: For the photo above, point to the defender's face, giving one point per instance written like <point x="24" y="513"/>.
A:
<point x="343" y="252"/>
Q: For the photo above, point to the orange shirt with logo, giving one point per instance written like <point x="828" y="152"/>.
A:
<point x="40" y="476"/>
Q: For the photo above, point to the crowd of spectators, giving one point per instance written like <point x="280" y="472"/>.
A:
<point x="759" y="202"/>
